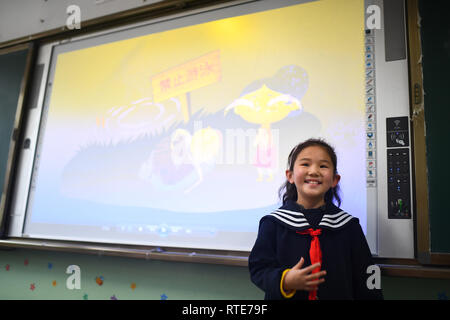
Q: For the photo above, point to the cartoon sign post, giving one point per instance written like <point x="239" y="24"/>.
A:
<point x="182" y="79"/>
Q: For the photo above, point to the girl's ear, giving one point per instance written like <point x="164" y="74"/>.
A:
<point x="289" y="176"/>
<point x="336" y="180"/>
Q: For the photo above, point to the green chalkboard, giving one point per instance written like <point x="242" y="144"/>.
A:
<point x="435" y="34"/>
<point x="12" y="73"/>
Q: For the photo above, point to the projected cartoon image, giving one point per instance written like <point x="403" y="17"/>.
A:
<point x="139" y="118"/>
<point x="174" y="136"/>
<point x="187" y="159"/>
<point x="265" y="106"/>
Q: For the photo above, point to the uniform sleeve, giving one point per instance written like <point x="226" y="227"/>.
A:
<point x="361" y="260"/>
<point x="265" y="272"/>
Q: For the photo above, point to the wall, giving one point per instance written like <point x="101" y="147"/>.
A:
<point x="123" y="278"/>
<point x="154" y="280"/>
<point x="136" y="279"/>
<point x="34" y="16"/>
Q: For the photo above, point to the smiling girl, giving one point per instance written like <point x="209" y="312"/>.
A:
<point x="309" y="248"/>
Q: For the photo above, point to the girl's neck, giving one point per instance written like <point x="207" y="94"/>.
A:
<point x="311" y="204"/>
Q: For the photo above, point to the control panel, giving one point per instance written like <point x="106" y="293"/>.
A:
<point x="398" y="167"/>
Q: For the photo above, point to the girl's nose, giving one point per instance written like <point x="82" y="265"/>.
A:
<point x="313" y="170"/>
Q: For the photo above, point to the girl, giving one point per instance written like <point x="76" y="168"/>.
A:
<point x="309" y="248"/>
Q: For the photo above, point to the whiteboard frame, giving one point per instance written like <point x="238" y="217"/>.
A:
<point x="379" y="228"/>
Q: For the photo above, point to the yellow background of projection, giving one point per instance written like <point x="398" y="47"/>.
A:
<point x="326" y="38"/>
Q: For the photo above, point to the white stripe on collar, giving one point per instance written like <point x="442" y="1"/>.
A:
<point x="335" y="220"/>
<point x="335" y="226"/>
<point x="297" y="225"/>
<point x="333" y="216"/>
<point x="290" y="217"/>
<point x="294" y="213"/>
<point x="298" y="220"/>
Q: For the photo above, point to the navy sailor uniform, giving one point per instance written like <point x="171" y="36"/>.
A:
<point x="282" y="241"/>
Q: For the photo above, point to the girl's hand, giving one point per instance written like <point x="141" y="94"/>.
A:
<point x="302" y="279"/>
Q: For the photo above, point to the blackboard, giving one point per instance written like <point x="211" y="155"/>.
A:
<point x="435" y="35"/>
<point x="13" y="65"/>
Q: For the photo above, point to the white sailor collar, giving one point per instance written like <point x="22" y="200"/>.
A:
<point x="296" y="220"/>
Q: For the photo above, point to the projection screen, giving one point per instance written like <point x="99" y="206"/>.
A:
<point x="176" y="133"/>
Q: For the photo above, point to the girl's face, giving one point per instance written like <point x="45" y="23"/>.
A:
<point x="313" y="176"/>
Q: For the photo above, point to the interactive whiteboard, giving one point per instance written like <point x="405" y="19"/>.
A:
<point x="176" y="133"/>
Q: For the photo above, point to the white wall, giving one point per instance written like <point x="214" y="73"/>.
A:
<point x="20" y="18"/>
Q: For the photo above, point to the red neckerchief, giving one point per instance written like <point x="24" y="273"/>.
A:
<point x="315" y="254"/>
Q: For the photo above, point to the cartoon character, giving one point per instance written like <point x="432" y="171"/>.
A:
<point x="185" y="162"/>
<point x="138" y="118"/>
<point x="263" y="105"/>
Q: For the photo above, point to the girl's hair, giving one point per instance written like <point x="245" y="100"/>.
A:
<point x="288" y="191"/>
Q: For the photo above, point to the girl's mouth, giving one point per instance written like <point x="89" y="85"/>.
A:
<point x="312" y="181"/>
